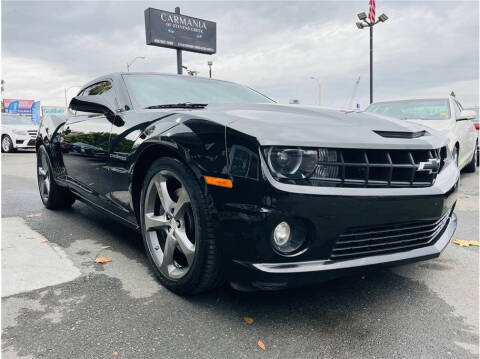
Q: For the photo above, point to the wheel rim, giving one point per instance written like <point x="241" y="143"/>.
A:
<point x="169" y="225"/>
<point x="6" y="143"/>
<point x="43" y="176"/>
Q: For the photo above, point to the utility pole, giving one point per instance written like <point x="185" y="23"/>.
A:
<point x="355" y="87"/>
<point x="179" y="52"/>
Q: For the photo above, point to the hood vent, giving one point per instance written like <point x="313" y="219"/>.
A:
<point x="395" y="134"/>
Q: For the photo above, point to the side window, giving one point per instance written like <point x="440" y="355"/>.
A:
<point x="103" y="88"/>
<point x="98" y="88"/>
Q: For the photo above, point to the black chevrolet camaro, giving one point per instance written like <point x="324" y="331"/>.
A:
<point x="225" y="184"/>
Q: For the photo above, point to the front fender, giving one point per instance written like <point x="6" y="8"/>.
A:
<point x="49" y="135"/>
<point x="198" y="142"/>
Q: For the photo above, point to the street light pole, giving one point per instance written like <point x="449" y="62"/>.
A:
<point x="131" y="62"/>
<point x="319" y="89"/>
<point x="210" y="63"/>
<point x="371" y="64"/>
<point x="363" y="17"/>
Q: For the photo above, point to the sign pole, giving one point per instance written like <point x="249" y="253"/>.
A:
<point x="179" y="52"/>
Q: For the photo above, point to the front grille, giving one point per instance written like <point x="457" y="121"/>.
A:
<point x="375" y="168"/>
<point x="376" y="240"/>
<point x="32" y="134"/>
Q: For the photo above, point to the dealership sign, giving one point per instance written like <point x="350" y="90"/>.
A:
<point x="22" y="107"/>
<point x="177" y="31"/>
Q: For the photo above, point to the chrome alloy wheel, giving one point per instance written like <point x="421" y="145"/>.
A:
<point x="169" y="225"/>
<point x="6" y="143"/>
<point x="43" y="176"/>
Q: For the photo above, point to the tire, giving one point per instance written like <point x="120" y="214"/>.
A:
<point x="177" y="229"/>
<point x="7" y="144"/>
<point x="472" y="165"/>
<point x="53" y="195"/>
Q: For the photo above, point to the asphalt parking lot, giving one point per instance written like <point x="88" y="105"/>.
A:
<point x="58" y="303"/>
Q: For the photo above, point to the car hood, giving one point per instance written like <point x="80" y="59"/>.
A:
<point x="439" y="125"/>
<point x="294" y="125"/>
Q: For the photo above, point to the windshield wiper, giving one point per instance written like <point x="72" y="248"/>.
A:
<point x="179" y="105"/>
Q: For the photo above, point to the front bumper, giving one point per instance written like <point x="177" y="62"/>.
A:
<point x="273" y="276"/>
<point x="24" y="142"/>
<point x="248" y="213"/>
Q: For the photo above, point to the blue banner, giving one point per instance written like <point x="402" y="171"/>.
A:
<point x="13" y="107"/>
<point x="36" y="112"/>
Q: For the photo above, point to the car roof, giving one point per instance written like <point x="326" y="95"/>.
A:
<point x="117" y="75"/>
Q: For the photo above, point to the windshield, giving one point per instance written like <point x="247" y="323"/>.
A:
<point x="413" y="109"/>
<point x="151" y="90"/>
<point x="16" y="120"/>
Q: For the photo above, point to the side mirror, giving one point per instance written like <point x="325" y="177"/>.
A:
<point x="467" y="115"/>
<point x="93" y="104"/>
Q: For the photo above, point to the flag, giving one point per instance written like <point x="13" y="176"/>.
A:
<point x="371" y="12"/>
<point x="36" y="113"/>
<point x="13" y="107"/>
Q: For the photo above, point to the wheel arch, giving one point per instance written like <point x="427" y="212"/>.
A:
<point x="198" y="143"/>
<point x="143" y="162"/>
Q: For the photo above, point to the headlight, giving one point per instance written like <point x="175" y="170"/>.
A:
<point x="291" y="163"/>
<point x="20" y="132"/>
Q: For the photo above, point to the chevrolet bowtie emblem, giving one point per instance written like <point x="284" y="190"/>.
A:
<point x="431" y="166"/>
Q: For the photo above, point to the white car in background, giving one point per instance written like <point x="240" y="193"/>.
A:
<point x="17" y="132"/>
<point x="445" y="115"/>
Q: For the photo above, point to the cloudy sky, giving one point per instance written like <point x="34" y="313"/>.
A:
<point x="426" y="48"/>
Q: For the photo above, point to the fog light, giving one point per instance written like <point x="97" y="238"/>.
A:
<point x="289" y="238"/>
<point x="281" y="234"/>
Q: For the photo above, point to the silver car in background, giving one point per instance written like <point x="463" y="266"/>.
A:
<point x="18" y="131"/>
<point x="445" y="115"/>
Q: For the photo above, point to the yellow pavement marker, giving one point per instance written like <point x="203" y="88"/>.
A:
<point x="465" y="243"/>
